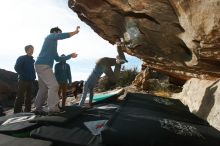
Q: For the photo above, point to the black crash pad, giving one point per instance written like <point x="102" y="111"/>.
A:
<point x="139" y="122"/>
<point x="17" y="123"/>
<point x="6" y="140"/>
<point x="155" y="131"/>
<point x="4" y="118"/>
<point x="75" y="132"/>
<point x="74" y="135"/>
<point x="157" y="101"/>
<point x="69" y="113"/>
<point x="164" y="106"/>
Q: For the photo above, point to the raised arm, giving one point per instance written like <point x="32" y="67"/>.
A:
<point x="60" y="36"/>
<point x="74" y="32"/>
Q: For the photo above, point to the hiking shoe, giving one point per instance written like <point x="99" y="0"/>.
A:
<point x="54" y="110"/>
<point x="40" y="112"/>
<point x="121" y="61"/>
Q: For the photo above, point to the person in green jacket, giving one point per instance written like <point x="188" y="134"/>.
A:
<point x="63" y="76"/>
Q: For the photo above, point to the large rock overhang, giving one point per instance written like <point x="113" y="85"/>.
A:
<point x="179" y="38"/>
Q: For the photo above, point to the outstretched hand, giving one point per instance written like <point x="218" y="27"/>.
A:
<point x="74" y="32"/>
<point x="77" y="29"/>
<point x="74" y="55"/>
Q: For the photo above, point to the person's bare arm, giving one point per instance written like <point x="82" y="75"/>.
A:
<point x="74" y="32"/>
<point x="74" y="55"/>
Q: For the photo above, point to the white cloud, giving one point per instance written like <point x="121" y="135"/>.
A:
<point x="26" y="22"/>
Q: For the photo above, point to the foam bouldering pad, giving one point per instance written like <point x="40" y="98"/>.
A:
<point x="141" y="121"/>
<point x="76" y="132"/>
<point x="141" y="129"/>
<point x="18" y="127"/>
<point x="17" y="123"/>
<point x="4" y="118"/>
<point x="6" y="140"/>
<point x="76" y="135"/>
<point x="164" y="106"/>
<point x="69" y="113"/>
<point x="157" y="101"/>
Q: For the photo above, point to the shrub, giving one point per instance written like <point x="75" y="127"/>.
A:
<point x="161" y="87"/>
<point x="125" y="78"/>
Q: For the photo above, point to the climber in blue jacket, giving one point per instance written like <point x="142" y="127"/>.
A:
<point x="63" y="76"/>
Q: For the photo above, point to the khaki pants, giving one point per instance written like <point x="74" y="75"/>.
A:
<point x="48" y="87"/>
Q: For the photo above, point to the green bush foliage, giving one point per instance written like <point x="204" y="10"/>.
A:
<point x="125" y="78"/>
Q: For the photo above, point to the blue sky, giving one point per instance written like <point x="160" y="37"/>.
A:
<point x="26" y="22"/>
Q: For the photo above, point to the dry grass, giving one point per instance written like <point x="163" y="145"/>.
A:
<point x="165" y="94"/>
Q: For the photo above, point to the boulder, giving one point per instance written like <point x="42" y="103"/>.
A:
<point x="203" y="99"/>
<point x="176" y="37"/>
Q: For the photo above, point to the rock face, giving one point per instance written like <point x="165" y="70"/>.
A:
<point x="203" y="99"/>
<point x="8" y="81"/>
<point x="176" y="37"/>
<point x="180" y="38"/>
<point x="8" y="87"/>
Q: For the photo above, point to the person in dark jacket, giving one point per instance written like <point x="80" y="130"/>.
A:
<point x="26" y="76"/>
<point x="63" y="76"/>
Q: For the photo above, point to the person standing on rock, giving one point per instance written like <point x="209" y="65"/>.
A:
<point x="48" y="86"/>
<point x="26" y="76"/>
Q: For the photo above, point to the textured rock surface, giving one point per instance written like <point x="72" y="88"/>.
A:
<point x="8" y="88"/>
<point x="203" y="99"/>
<point x="177" y="37"/>
<point x="180" y="38"/>
<point x="8" y="81"/>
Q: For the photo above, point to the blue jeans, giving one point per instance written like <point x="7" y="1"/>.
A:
<point x="90" y="84"/>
